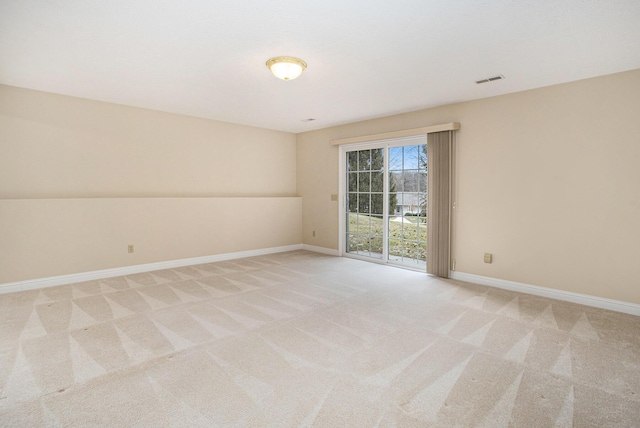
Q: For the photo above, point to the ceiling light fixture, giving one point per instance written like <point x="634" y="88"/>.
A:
<point x="286" y="67"/>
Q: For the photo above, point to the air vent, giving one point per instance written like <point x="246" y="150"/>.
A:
<point x="308" y="120"/>
<point x="490" y="79"/>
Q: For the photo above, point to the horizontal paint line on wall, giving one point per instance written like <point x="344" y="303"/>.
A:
<point x="41" y="197"/>
<point x="53" y="281"/>
<point x="567" y="296"/>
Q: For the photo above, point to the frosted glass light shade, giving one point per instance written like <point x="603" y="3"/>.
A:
<point x="286" y="67"/>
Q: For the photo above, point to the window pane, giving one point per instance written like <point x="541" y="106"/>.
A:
<point x="393" y="185"/>
<point x="352" y="161"/>
<point x="395" y="158"/>
<point x="410" y="181"/>
<point x="377" y="159"/>
<point x="411" y="228"/>
<point x="376" y="247"/>
<point x="352" y="202"/>
<point x="364" y="182"/>
<point x="423" y="215"/>
<point x="396" y="180"/>
<point x="362" y="244"/>
<point x="395" y="228"/>
<point x="393" y="204"/>
<point x="377" y="203"/>
<point x="352" y="223"/>
<point x="412" y="202"/>
<point x="363" y="203"/>
<point x="364" y="159"/>
<point x="408" y="250"/>
<point x="422" y="230"/>
<point x="411" y="156"/>
<point x="377" y="181"/>
<point x="423" y="157"/>
<point x="422" y="181"/>
<point x="363" y="224"/>
<point x="352" y="243"/>
<point x="352" y="179"/>
<point x="395" y="247"/>
<point x="376" y="225"/>
<point x="401" y="209"/>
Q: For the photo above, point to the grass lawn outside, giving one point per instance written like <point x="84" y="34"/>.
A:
<point x="407" y="239"/>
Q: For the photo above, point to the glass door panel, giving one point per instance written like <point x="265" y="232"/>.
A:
<point x="364" y="231"/>
<point x="408" y="193"/>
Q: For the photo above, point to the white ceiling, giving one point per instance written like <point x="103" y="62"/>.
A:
<point x="367" y="58"/>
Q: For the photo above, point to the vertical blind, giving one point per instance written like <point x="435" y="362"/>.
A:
<point x="439" y="203"/>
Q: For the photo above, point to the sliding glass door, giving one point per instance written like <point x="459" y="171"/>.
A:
<point x="385" y="190"/>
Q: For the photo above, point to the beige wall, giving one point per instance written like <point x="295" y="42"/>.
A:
<point x="81" y="179"/>
<point x="548" y="180"/>
<point x="49" y="237"/>
<point x="53" y="146"/>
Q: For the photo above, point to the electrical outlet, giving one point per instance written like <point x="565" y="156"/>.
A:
<point x="488" y="257"/>
<point x="334" y="197"/>
<point x="130" y="248"/>
<point x="313" y="234"/>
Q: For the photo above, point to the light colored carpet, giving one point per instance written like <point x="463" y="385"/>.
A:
<point x="302" y="339"/>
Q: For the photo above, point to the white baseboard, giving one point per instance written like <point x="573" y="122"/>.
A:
<point x="567" y="296"/>
<point x="322" y="250"/>
<point x="33" y="284"/>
